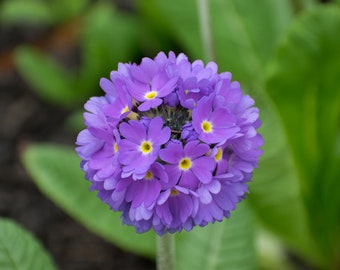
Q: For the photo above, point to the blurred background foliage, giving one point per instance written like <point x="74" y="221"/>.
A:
<point x="285" y="53"/>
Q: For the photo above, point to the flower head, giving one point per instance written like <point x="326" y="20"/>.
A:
<point x="171" y="144"/>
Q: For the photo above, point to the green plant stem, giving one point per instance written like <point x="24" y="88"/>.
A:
<point x="204" y="20"/>
<point x="165" y="252"/>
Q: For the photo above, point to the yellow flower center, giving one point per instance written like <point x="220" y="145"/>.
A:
<point x="149" y="175"/>
<point x="206" y="126"/>
<point x="133" y="116"/>
<point x="218" y="155"/>
<point x="174" y="192"/>
<point x="125" y="109"/>
<point x="115" y="147"/>
<point x="151" y="95"/>
<point x="185" y="164"/>
<point x="146" y="147"/>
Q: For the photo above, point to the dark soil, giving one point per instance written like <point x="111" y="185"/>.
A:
<point x="25" y="118"/>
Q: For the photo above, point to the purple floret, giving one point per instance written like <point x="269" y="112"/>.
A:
<point x="140" y="146"/>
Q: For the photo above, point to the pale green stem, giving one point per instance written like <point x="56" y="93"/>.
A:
<point x="205" y="29"/>
<point x="166" y="252"/>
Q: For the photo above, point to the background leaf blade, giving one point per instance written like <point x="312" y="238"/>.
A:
<point x="224" y="245"/>
<point x="48" y="78"/>
<point x="20" y="250"/>
<point x="241" y="45"/>
<point x="56" y="172"/>
<point x="32" y="12"/>
<point x="305" y="88"/>
<point x="107" y="37"/>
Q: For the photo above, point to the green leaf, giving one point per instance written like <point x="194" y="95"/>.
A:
<point x="25" y="11"/>
<point x="164" y="32"/>
<point x="154" y="37"/>
<point x="276" y="197"/>
<point x="75" y="121"/>
<point x="66" y="10"/>
<point x="107" y="37"/>
<point x="275" y="193"/>
<point x="20" y="250"/>
<point x="271" y="252"/>
<point x="225" y="245"/>
<point x="241" y="44"/>
<point x="56" y="172"/>
<point x="301" y="5"/>
<point x="48" y="79"/>
<point x="304" y="85"/>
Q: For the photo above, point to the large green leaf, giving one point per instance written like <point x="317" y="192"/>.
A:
<point x="244" y="32"/>
<point x="20" y="250"/>
<point x="304" y="85"/>
<point x="275" y="194"/>
<point x="225" y="245"/>
<point x="56" y="171"/>
<point x="45" y="75"/>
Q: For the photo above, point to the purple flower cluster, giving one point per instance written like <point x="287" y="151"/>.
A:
<point x="171" y="144"/>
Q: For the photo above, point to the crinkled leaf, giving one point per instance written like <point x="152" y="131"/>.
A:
<point x="51" y="81"/>
<point x="56" y="171"/>
<point x="225" y="245"/>
<point x="304" y="85"/>
<point x="20" y="250"/>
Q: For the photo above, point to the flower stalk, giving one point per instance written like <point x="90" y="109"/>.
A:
<point x="166" y="252"/>
<point x="205" y="29"/>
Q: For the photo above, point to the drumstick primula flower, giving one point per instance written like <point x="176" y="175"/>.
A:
<point x="171" y="144"/>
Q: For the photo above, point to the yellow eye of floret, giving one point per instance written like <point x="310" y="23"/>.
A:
<point x="185" y="164"/>
<point x="125" y="109"/>
<point x="174" y="192"/>
<point x="115" y="147"/>
<point x="146" y="147"/>
<point x="206" y="126"/>
<point x="218" y="155"/>
<point x="149" y="175"/>
<point x="151" y="95"/>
